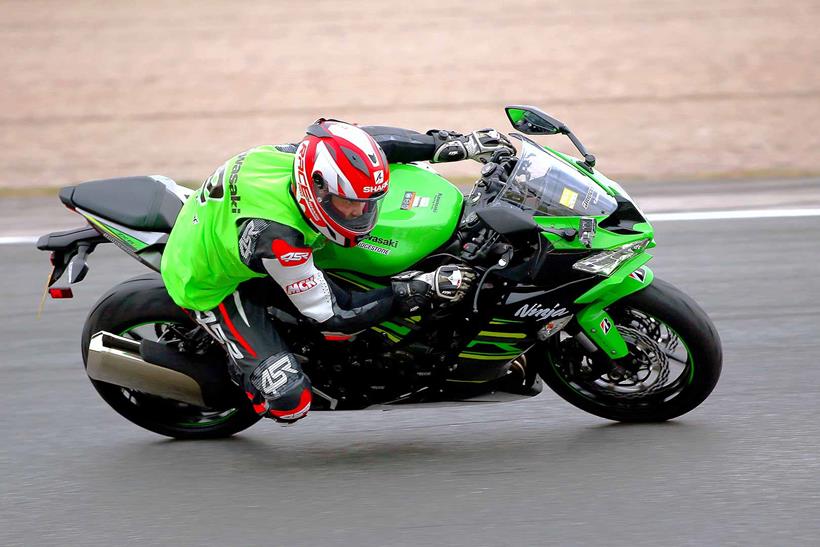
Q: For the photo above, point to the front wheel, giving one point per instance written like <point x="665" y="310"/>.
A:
<point x="674" y="360"/>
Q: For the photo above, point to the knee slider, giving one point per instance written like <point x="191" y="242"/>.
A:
<point x="283" y="384"/>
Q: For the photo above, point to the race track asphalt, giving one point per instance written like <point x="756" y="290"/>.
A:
<point x="742" y="469"/>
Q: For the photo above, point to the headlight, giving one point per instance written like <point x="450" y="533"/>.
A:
<point x="606" y="262"/>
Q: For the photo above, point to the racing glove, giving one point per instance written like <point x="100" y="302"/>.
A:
<point x="478" y="145"/>
<point x="415" y="291"/>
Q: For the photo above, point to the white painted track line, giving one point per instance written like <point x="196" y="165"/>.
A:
<point x="731" y="215"/>
<point x="15" y="240"/>
<point x="653" y="217"/>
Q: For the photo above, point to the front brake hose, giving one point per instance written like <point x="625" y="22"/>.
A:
<point x="500" y="265"/>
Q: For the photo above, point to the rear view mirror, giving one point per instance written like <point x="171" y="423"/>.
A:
<point x="531" y="121"/>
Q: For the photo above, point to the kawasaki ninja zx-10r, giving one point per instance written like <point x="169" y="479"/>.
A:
<point x="564" y="296"/>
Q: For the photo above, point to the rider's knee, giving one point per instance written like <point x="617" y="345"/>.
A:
<point x="283" y="388"/>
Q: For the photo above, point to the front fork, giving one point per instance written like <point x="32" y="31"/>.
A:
<point x="594" y="320"/>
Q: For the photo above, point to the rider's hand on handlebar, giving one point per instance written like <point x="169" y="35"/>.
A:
<point x="479" y="145"/>
<point x="415" y="291"/>
<point x="483" y="144"/>
<point x="452" y="281"/>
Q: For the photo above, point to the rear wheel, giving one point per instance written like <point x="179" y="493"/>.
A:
<point x="674" y="360"/>
<point x="139" y="309"/>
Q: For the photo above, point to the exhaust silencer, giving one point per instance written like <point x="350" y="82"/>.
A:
<point x="117" y="360"/>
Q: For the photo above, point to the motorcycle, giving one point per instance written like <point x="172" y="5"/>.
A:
<point x="563" y="297"/>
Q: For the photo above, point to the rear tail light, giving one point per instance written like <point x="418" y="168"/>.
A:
<point x="61" y="293"/>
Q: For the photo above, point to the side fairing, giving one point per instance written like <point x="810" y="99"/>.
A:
<point x="418" y="215"/>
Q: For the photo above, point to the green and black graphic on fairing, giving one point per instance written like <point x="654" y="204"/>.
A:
<point x="563" y="294"/>
<point x="393" y="331"/>
<point x="116" y="234"/>
<point x="145" y="246"/>
<point x="501" y="341"/>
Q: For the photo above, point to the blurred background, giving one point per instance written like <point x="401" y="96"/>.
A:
<point x="696" y="105"/>
<point x="657" y="90"/>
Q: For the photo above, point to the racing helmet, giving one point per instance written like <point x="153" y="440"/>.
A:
<point x="340" y="175"/>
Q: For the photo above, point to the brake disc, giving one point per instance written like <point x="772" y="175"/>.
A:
<point x="650" y="374"/>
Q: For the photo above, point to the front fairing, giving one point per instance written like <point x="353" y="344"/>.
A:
<point x="543" y="184"/>
<point x="557" y="191"/>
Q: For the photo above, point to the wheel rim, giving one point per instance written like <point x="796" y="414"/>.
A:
<point x="661" y="365"/>
<point x="179" y="414"/>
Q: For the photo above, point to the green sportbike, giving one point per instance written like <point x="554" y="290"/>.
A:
<point x="563" y="297"/>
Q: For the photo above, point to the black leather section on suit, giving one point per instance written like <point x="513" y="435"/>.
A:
<point x="402" y="145"/>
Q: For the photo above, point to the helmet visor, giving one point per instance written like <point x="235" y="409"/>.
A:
<point x="359" y="216"/>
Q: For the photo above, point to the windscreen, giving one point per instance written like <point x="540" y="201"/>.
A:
<point x="544" y="185"/>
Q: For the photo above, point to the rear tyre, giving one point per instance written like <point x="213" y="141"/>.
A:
<point x="674" y="361"/>
<point x="141" y="308"/>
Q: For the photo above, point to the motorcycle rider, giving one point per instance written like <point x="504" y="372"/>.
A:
<point x="260" y="215"/>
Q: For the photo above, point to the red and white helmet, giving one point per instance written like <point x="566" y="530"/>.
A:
<point x="339" y="176"/>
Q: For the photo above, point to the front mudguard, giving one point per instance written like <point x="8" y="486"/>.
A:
<point x="593" y="319"/>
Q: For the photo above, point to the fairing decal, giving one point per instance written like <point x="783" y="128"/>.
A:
<point x="596" y="322"/>
<point x="135" y="239"/>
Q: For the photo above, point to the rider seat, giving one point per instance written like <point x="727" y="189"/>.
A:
<point x="141" y="203"/>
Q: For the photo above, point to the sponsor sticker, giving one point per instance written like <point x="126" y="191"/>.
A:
<point x="436" y="202"/>
<point x="294" y="257"/>
<point x="302" y="285"/>
<point x="380" y="185"/>
<point x="407" y="201"/>
<point x="303" y="187"/>
<point x="288" y="255"/>
<point x="370" y="247"/>
<point x="553" y="326"/>
<point x="382" y="241"/>
<point x="421" y="201"/>
<point x="269" y="380"/>
<point x="591" y="197"/>
<point x="247" y="242"/>
<point x="568" y="198"/>
<point x="540" y="312"/>
<point x="639" y="275"/>
<point x="232" y="183"/>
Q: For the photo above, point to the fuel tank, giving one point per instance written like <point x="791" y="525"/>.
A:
<point x="419" y="214"/>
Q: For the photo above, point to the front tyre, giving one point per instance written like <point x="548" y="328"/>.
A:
<point x="674" y="360"/>
<point x="140" y="308"/>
